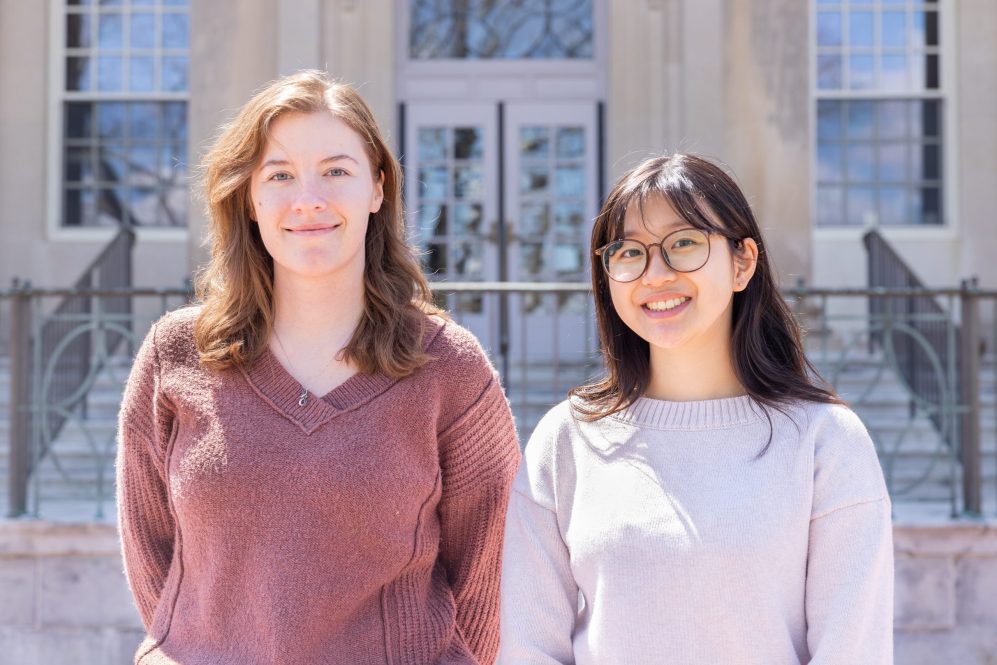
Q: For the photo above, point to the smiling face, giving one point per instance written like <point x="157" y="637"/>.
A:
<point x="312" y="195"/>
<point x="677" y="310"/>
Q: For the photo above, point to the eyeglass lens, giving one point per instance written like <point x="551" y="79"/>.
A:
<point x="685" y="250"/>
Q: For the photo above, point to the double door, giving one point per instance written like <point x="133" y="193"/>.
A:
<point x="507" y="193"/>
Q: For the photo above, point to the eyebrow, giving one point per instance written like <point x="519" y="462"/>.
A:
<point x="327" y="160"/>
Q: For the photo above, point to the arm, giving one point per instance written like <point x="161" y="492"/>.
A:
<point x="479" y="454"/>
<point x="539" y="594"/>
<point x="849" y="601"/>
<point x="849" y="586"/>
<point x="145" y="521"/>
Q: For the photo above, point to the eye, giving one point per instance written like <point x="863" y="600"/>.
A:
<point x="632" y="253"/>
<point x="280" y="175"/>
<point x="337" y="171"/>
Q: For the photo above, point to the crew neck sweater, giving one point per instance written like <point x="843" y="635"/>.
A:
<point x="663" y="534"/>
<point x="364" y="527"/>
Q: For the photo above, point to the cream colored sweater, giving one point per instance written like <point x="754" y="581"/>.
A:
<point x="659" y="535"/>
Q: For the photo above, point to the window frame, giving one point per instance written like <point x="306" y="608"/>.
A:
<point x="55" y="154"/>
<point x="948" y="70"/>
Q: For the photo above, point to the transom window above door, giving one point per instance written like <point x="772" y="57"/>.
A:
<point x="486" y="29"/>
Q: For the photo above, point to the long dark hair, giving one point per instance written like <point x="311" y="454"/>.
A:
<point x="765" y="337"/>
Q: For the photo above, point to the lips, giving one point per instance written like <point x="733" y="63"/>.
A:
<point x="312" y="229"/>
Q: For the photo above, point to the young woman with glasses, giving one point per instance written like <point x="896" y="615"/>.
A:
<point x="313" y="467"/>
<point x="708" y="500"/>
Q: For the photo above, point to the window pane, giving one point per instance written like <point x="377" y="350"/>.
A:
<point x="78" y="30"/>
<point x="435" y="259"/>
<point x="143" y="120"/>
<point x="141" y="74"/>
<point x="467" y="143"/>
<point x="79" y="120"/>
<point x="931" y="163"/>
<point x="860" y="160"/>
<point x="893" y="162"/>
<point x="829" y="68"/>
<point x="111" y="120"/>
<point x="79" y="167"/>
<point x="893" y="205"/>
<point x="78" y="75"/>
<point x="830" y="205"/>
<point x="468" y="218"/>
<point x="892" y="119"/>
<point x="569" y="182"/>
<point x="929" y="205"/>
<point x="570" y="142"/>
<point x="432" y="144"/>
<point x="932" y="76"/>
<point x="142" y="166"/>
<point x="860" y="120"/>
<point x="533" y="180"/>
<point x="861" y="72"/>
<point x="860" y="29"/>
<point x="861" y="206"/>
<point x="433" y="183"/>
<point x="830" y="162"/>
<point x="569" y="219"/>
<point x="112" y="164"/>
<point x="174" y="75"/>
<point x="893" y="69"/>
<point x="829" y="28"/>
<point x="534" y="220"/>
<point x="829" y="120"/>
<point x="469" y="182"/>
<point x="175" y="121"/>
<point x="894" y="29"/>
<point x="110" y="73"/>
<point x="109" y="31"/>
<point x="432" y="221"/>
<point x="533" y="142"/>
<point x="175" y="31"/>
<point x="143" y="30"/>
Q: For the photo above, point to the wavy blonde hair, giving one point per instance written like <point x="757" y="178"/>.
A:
<point x="236" y="287"/>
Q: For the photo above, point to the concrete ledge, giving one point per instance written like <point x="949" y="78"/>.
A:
<point x="65" y="598"/>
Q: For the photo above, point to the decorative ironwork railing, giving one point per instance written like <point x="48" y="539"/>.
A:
<point x="542" y="338"/>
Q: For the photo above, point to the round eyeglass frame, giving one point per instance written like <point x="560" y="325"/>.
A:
<point x="601" y="253"/>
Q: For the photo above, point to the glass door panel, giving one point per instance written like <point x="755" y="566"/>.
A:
<point x="450" y="201"/>
<point x="551" y="199"/>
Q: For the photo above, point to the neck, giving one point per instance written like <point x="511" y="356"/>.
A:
<point x="317" y="313"/>
<point x="687" y="375"/>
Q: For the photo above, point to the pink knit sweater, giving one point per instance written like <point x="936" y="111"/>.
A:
<point x="364" y="527"/>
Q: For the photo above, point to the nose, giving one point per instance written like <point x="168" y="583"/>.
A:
<point x="658" y="271"/>
<point x="310" y="199"/>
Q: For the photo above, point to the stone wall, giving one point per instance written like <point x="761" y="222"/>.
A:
<point x="63" y="597"/>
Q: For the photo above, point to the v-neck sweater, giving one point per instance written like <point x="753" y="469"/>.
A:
<point x="364" y="527"/>
<point x="663" y="534"/>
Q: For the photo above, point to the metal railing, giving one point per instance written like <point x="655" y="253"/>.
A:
<point x="73" y="354"/>
<point x="542" y="339"/>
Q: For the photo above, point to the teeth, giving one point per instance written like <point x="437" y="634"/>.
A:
<point x="665" y="305"/>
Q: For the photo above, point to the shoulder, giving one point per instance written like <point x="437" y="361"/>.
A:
<point x="173" y="334"/>
<point x="455" y="350"/>
<point x="549" y="458"/>
<point x="845" y="461"/>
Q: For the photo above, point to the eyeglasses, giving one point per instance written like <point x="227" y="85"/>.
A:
<point x="685" y="250"/>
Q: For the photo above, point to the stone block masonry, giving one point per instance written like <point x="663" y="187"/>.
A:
<point x="63" y="596"/>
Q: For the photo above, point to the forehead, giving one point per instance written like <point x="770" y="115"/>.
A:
<point x="301" y="135"/>
<point x="654" y="216"/>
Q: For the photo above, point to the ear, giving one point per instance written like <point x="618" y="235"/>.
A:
<point x="745" y="261"/>
<point x="378" y="198"/>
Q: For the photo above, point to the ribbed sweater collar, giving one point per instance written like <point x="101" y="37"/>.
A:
<point x="706" y="414"/>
